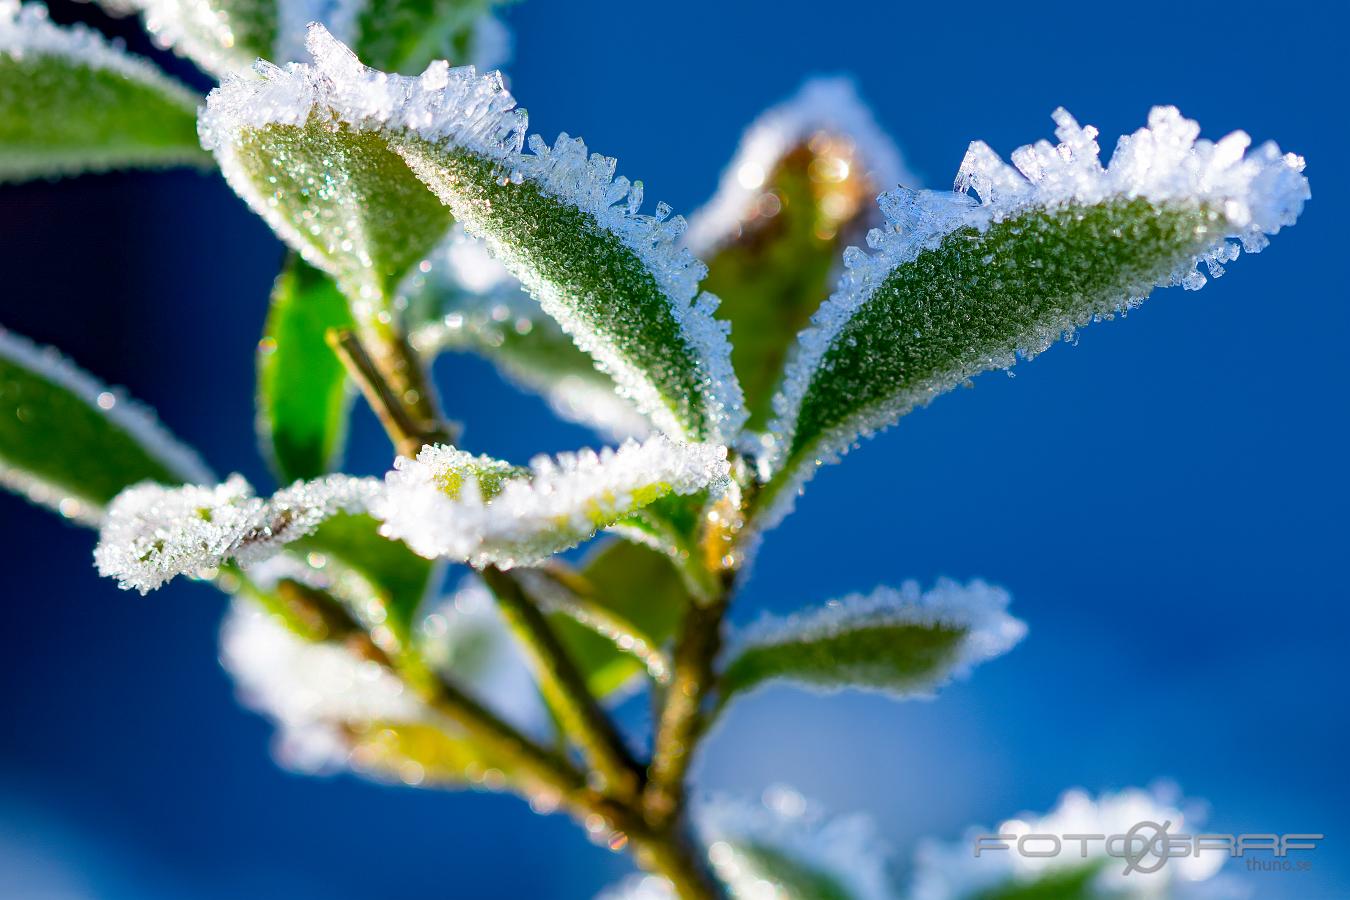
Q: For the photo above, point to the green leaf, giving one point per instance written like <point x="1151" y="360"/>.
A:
<point x="755" y="864"/>
<point x="799" y="189"/>
<point x="956" y="288"/>
<point x="616" y="281"/>
<point x="72" y="102"/>
<point x="303" y="394"/>
<point x="420" y="754"/>
<point x="629" y="582"/>
<point x="1075" y="883"/>
<point x="901" y="643"/>
<point x="500" y="323"/>
<point x="394" y="579"/>
<point x="406" y="35"/>
<point x="341" y="198"/>
<point x="72" y="444"/>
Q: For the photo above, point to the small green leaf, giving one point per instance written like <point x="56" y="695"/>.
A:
<point x="71" y="102"/>
<point x="639" y="586"/>
<point x="395" y="579"/>
<point x="1075" y="883"/>
<point x="799" y="189"/>
<point x="616" y="281"/>
<point x="406" y="35"/>
<point x="901" y="643"/>
<point x="756" y="864"/>
<point x="420" y="754"/>
<point x="72" y="444"/>
<point x="303" y="395"/>
<point x="956" y="288"/>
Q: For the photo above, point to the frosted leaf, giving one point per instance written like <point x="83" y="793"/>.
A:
<point x="71" y="102"/>
<point x="153" y="533"/>
<point x="957" y="286"/>
<point x="827" y="111"/>
<point x="951" y="871"/>
<point x="71" y="443"/>
<point x="475" y="305"/>
<point x="304" y="396"/>
<point x="791" y="844"/>
<point x="313" y="691"/>
<point x="906" y="642"/>
<point x="226" y="36"/>
<point x="433" y="505"/>
<point x="618" y="282"/>
<point x="799" y="189"/>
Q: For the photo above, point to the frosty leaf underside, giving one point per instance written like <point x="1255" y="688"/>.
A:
<point x="303" y="397"/>
<point x="70" y="102"/>
<point x="975" y="301"/>
<point x="72" y="444"/>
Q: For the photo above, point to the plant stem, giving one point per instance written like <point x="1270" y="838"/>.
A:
<point x="395" y="386"/>
<point x="566" y="689"/>
<point x="677" y="857"/>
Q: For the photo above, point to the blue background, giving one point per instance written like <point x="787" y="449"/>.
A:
<point x="1166" y="501"/>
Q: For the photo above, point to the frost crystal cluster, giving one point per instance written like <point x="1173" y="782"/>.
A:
<point x="421" y="217"/>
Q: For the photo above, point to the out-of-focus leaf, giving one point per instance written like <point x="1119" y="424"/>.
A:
<point x="899" y="642"/>
<point x="71" y="102"/>
<point x="72" y="444"/>
<point x="420" y="754"/>
<point x="958" y="287"/>
<point x="303" y="395"/>
<point x="799" y="189"/>
<point x="405" y="35"/>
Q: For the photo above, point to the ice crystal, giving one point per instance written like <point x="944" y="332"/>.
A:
<point x="977" y="611"/>
<point x="1241" y="196"/>
<point x="457" y="111"/>
<point x="430" y="504"/>
<point x="311" y="690"/>
<point x="822" y="105"/>
<point x="951" y="872"/>
<point x="154" y="533"/>
<point x="113" y="404"/>
<point x="27" y="31"/>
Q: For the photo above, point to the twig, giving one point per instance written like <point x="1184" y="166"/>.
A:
<point x="397" y="391"/>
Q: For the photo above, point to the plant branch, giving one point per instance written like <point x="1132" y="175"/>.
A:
<point x="566" y="688"/>
<point x="396" y="387"/>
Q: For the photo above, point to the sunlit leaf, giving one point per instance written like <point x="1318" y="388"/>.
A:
<point x="616" y="281"/>
<point x="799" y="189"/>
<point x="957" y="287"/>
<point x="72" y="102"/>
<point x="72" y="444"/>
<point x="303" y="395"/>
<point x="899" y="642"/>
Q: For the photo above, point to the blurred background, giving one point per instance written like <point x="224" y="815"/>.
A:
<point x="1166" y="501"/>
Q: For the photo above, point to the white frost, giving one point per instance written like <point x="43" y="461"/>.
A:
<point x="1256" y="193"/>
<point x="153" y="533"/>
<point x="27" y="30"/>
<point x="829" y="105"/>
<point x="136" y="420"/>
<point x="459" y="107"/>
<point x="561" y="502"/>
<point x="952" y="872"/>
<point x="311" y="690"/>
<point x="980" y="609"/>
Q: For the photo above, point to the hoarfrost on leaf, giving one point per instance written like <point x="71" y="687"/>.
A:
<point x="71" y="443"/>
<point x="956" y="286"/>
<point x="949" y="871"/>
<point x="153" y="533"/>
<point x="447" y="503"/>
<point x="71" y="101"/>
<point x="906" y="642"/>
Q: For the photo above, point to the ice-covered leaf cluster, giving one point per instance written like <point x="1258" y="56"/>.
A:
<point x="154" y="533"/>
<point x="906" y="642"/>
<point x="473" y="304"/>
<point x="956" y="286"/>
<point x="950" y="871"/>
<point x="71" y="443"/>
<point x="825" y="111"/>
<point x="447" y="503"/>
<point x="617" y="281"/>
<point x="226" y="36"/>
<point x="71" y="101"/>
